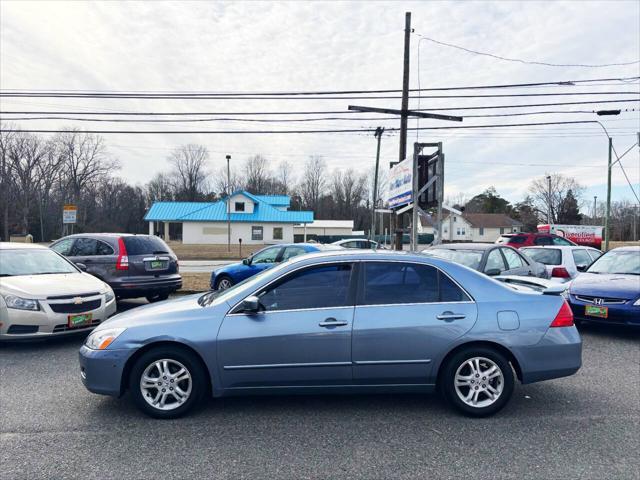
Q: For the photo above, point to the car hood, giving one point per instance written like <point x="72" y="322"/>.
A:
<point x="40" y="287"/>
<point x="154" y="313"/>
<point x="606" y="285"/>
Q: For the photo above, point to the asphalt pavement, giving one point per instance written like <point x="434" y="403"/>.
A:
<point x="586" y="426"/>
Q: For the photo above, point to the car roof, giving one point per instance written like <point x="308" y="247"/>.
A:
<point x="19" y="246"/>
<point x="561" y="247"/>
<point x="105" y="234"/>
<point x="468" y="246"/>
<point x="361" y="254"/>
<point x="350" y="240"/>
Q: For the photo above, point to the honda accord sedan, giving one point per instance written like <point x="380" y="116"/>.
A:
<point x="338" y="322"/>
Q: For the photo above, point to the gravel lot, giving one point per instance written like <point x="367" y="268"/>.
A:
<point x="585" y="426"/>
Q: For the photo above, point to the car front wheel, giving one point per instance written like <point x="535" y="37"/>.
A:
<point x="478" y="381"/>
<point x="223" y="283"/>
<point x="167" y="382"/>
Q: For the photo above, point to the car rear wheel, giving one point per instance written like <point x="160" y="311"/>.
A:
<point x="158" y="297"/>
<point x="167" y="382"/>
<point x="223" y="283"/>
<point x="478" y="381"/>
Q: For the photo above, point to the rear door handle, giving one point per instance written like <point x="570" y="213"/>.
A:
<point x="332" y="322"/>
<point x="450" y="316"/>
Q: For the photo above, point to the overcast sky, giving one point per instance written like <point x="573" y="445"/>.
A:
<point x="293" y="46"/>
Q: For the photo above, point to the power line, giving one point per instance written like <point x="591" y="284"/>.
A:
<point x="301" y="112"/>
<point x="619" y="158"/>
<point x="217" y="132"/>
<point x="528" y="62"/>
<point x="192" y="96"/>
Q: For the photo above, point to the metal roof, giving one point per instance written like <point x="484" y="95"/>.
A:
<point x="263" y="211"/>
<point x="275" y="200"/>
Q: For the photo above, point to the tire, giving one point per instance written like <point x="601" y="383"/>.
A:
<point x="158" y="297"/>
<point x="463" y="397"/>
<point x="225" y="281"/>
<point x="153" y="364"/>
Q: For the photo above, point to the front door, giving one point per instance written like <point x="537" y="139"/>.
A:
<point x="516" y="265"/>
<point x="406" y="314"/>
<point x="302" y="336"/>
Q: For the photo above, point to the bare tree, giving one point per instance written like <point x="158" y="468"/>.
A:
<point x="160" y="188"/>
<point x="220" y="181"/>
<point x="6" y="175"/>
<point x="190" y="171"/>
<point x="313" y="182"/>
<point x="284" y="177"/>
<point x="549" y="201"/>
<point x="49" y="174"/>
<point x="257" y="175"/>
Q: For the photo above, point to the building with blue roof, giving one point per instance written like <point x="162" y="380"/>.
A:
<point x="254" y="219"/>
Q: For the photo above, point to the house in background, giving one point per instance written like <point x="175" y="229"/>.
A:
<point x="256" y="219"/>
<point x="476" y="227"/>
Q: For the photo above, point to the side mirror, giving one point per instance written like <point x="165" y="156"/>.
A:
<point x="246" y="261"/>
<point x="251" y="304"/>
<point x="81" y="266"/>
<point x="492" y="272"/>
<point x="582" y="268"/>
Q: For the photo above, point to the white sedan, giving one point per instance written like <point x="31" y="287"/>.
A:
<point x="563" y="262"/>
<point x="43" y="294"/>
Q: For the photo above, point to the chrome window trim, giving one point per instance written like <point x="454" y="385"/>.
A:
<point x="413" y="304"/>
<point x="266" y="312"/>
<point x="286" y="365"/>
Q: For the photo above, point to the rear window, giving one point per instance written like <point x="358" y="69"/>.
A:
<point x="145" y="245"/>
<point x="548" y="256"/>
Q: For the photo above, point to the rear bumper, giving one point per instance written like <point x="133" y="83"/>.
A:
<point x="101" y="370"/>
<point x="141" y="286"/>
<point x="558" y="354"/>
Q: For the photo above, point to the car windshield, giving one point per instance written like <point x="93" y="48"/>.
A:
<point x="623" y="262"/>
<point x="32" y="262"/>
<point x="469" y="258"/>
<point x="548" y="256"/>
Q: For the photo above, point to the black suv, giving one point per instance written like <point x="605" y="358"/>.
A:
<point x="133" y="265"/>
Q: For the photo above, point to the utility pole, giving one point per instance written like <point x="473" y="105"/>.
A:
<point x="549" y="201"/>
<point x="595" y="209"/>
<point x="405" y="88"/>
<point x="378" y="135"/>
<point x="607" y="235"/>
<point x="228" y="205"/>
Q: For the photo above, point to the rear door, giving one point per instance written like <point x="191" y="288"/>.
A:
<point x="406" y="314"/>
<point x="149" y="255"/>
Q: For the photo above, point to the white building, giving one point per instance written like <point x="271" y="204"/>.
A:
<point x="476" y="227"/>
<point x="325" y="227"/>
<point x="254" y="219"/>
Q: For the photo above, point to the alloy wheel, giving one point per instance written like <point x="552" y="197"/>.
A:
<point x="224" y="284"/>
<point x="479" y="382"/>
<point x="166" y="384"/>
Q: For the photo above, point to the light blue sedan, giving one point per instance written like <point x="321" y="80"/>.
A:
<point x="338" y="322"/>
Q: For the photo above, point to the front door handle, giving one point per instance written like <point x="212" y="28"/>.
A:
<point x="450" y="316"/>
<point x="332" y="322"/>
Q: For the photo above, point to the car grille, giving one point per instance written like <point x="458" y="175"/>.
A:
<point x="63" y="327"/>
<point x="65" y="297"/>
<point x="605" y="300"/>
<point x="75" y="308"/>
<point x="22" y="329"/>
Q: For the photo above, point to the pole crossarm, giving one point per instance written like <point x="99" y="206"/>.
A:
<point x="410" y="113"/>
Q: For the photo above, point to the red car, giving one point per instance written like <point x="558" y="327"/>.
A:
<point x="517" y="240"/>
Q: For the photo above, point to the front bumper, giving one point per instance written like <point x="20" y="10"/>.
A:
<point x="101" y="370"/>
<point x="44" y="323"/>
<point x="557" y="354"/>
<point x="621" y="314"/>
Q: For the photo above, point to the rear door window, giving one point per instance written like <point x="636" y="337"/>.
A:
<point x="543" y="241"/>
<point x="103" y="248"/>
<point x="561" y="241"/>
<point x="516" y="239"/>
<point x="145" y="245"/>
<point x="495" y="261"/>
<point x="548" y="256"/>
<point x="513" y="259"/>
<point x="84" y="247"/>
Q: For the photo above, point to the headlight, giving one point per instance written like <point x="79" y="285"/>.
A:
<point x="21" y="303"/>
<point x="637" y="303"/>
<point x="101" y="339"/>
<point x="109" y="296"/>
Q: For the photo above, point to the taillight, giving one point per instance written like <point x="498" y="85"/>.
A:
<point x="123" y="259"/>
<point x="560" y="272"/>
<point x="564" y="318"/>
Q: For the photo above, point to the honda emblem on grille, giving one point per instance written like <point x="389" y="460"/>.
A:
<point x="598" y="301"/>
<point x="78" y="300"/>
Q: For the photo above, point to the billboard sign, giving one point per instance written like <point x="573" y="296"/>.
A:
<point x="588" y="235"/>
<point x="69" y="214"/>
<point x="400" y="184"/>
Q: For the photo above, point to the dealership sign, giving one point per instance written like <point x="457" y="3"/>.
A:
<point x="400" y="183"/>
<point x="69" y="213"/>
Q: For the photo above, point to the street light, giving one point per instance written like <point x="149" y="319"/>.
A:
<point x="228" y="205"/>
<point x="602" y="113"/>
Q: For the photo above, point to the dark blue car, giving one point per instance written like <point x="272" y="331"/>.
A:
<point x="609" y="291"/>
<point x="229" y="275"/>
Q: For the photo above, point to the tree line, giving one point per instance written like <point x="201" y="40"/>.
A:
<point x="39" y="174"/>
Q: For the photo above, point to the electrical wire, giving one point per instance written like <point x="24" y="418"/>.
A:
<point x="528" y="62"/>
<point x="619" y="158"/>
